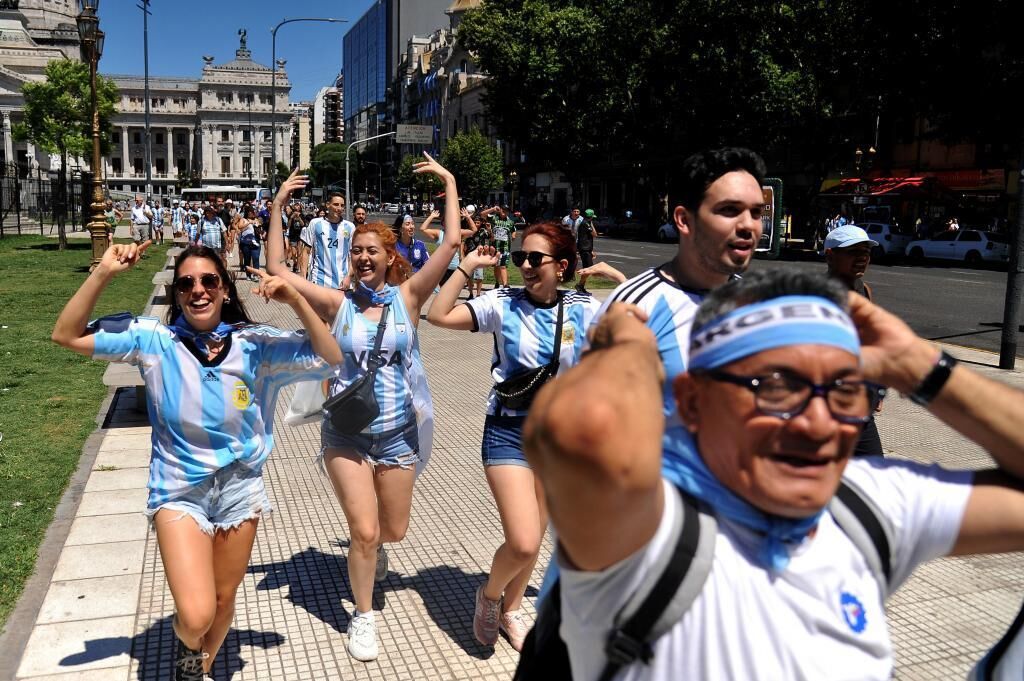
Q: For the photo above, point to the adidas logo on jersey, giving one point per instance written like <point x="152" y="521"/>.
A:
<point x="210" y="376"/>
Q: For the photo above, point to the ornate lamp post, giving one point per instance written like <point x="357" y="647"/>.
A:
<point x="92" y="49"/>
<point x="513" y="179"/>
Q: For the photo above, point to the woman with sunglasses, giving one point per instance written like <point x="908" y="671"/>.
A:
<point x="212" y="378"/>
<point x="373" y="471"/>
<point x="524" y="323"/>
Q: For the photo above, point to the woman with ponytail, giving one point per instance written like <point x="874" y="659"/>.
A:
<point x="373" y="470"/>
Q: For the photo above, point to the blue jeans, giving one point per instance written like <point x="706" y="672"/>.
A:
<point x="250" y="252"/>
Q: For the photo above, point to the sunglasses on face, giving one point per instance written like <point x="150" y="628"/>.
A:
<point x="185" y="284"/>
<point x="536" y="258"/>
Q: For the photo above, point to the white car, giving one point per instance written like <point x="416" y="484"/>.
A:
<point x="972" y="246"/>
<point x="890" y="242"/>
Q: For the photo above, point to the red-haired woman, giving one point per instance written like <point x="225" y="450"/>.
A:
<point x="525" y="323"/>
<point x="373" y="470"/>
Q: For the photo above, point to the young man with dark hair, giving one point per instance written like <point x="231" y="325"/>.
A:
<point x="716" y="203"/>
<point x="326" y="242"/>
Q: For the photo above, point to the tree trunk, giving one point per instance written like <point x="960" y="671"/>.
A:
<point x="62" y="200"/>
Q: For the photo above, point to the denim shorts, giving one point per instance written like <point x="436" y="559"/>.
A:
<point x="223" y="501"/>
<point x="399" y="447"/>
<point x="503" y="441"/>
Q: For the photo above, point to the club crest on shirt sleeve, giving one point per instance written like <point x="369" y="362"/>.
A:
<point x="853" y="612"/>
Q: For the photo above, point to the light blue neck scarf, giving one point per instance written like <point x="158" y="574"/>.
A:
<point x="381" y="297"/>
<point x="199" y="338"/>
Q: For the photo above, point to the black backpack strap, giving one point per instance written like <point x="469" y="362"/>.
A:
<point x="664" y="603"/>
<point x="867" y="527"/>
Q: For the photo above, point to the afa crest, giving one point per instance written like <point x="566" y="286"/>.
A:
<point x="569" y="335"/>
<point x="240" y="395"/>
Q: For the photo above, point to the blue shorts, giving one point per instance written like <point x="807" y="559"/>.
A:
<point x="503" y="441"/>
<point x="223" y="501"/>
<point x="399" y="447"/>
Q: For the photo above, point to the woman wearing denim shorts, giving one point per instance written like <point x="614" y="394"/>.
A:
<point x="212" y="378"/>
<point x="523" y="321"/>
<point x="373" y="471"/>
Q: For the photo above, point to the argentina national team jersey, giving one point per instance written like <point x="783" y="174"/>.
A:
<point x="395" y="382"/>
<point x="331" y="244"/>
<point x="207" y="414"/>
<point x="670" y="311"/>
<point x="524" y="333"/>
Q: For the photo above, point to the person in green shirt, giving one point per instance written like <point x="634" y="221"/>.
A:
<point x="503" y="233"/>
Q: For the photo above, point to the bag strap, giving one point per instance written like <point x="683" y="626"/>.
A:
<point x="558" y="334"/>
<point x="869" y="530"/>
<point x="374" y="361"/>
<point x="678" y="584"/>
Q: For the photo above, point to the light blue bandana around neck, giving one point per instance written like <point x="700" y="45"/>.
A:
<point x="381" y="297"/>
<point x="199" y="338"/>
<point x="780" y="322"/>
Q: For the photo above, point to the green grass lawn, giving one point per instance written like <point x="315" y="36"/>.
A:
<point x="49" y="396"/>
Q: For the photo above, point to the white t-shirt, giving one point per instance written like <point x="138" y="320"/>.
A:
<point x="141" y="214"/>
<point x="823" y="617"/>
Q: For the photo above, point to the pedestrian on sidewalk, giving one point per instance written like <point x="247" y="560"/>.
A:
<point x="142" y="218"/>
<point x="410" y="248"/>
<point x="206" y="491"/>
<point x="848" y="254"/>
<point x="373" y="468"/>
<point x="503" y="233"/>
<point x="436" y="234"/>
<point x="527" y="324"/>
<point x="111" y="216"/>
<point x="212" y="232"/>
<point x="586" y="232"/>
<point x="249" y="240"/>
<point x="783" y="550"/>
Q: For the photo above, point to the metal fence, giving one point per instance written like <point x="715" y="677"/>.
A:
<point x="30" y="200"/>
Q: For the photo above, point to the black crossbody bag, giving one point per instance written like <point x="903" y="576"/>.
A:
<point x="517" y="392"/>
<point x="355" y="407"/>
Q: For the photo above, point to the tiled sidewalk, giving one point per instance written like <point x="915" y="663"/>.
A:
<point x="107" y="613"/>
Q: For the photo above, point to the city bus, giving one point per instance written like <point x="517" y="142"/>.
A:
<point x="237" y="194"/>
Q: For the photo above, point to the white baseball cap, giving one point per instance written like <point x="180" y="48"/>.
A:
<point x="471" y="209"/>
<point x="847" y="235"/>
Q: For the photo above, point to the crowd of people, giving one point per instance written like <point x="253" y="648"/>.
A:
<point x="711" y="519"/>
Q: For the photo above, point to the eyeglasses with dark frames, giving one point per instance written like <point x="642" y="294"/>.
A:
<point x="185" y="284"/>
<point x="536" y="258"/>
<point x="785" y="395"/>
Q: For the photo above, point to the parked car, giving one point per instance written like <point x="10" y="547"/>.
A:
<point x="392" y="208"/>
<point x="890" y="242"/>
<point x="972" y="246"/>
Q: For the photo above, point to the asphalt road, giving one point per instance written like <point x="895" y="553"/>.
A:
<point x="950" y="302"/>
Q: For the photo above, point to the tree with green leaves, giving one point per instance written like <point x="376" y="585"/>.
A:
<point x="58" y="119"/>
<point x="422" y="184"/>
<point x="475" y="162"/>
<point x="327" y="164"/>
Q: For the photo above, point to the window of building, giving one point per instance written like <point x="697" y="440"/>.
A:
<point x="159" y="138"/>
<point x="161" y="166"/>
<point x="115" y="136"/>
<point x="136" y="138"/>
<point x="180" y="138"/>
<point x="224" y="97"/>
<point x="225" y="165"/>
<point x="137" y="165"/>
<point x="115" y="166"/>
<point x="245" y="136"/>
<point x="224" y="136"/>
<point x="182" y="166"/>
<point x="246" y="165"/>
<point x="266" y="165"/>
<point x="266" y="135"/>
<point x="264" y="99"/>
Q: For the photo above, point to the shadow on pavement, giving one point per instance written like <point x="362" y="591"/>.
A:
<point x="318" y="581"/>
<point x="154" y="649"/>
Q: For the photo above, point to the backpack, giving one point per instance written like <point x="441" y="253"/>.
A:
<point x="670" y="588"/>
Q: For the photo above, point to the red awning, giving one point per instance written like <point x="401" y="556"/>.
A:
<point x="879" y="186"/>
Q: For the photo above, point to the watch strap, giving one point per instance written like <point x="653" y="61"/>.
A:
<point x="933" y="382"/>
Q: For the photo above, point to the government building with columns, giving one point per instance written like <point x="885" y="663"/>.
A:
<point x="212" y="131"/>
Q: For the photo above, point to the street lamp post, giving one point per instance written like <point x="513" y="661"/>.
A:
<point x="273" y="91"/>
<point x="92" y="49"/>
<point x="513" y="179"/>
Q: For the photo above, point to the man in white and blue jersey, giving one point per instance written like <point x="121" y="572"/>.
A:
<point x="326" y="243"/>
<point x="718" y="204"/>
<point x="177" y="218"/>
<point x="212" y="231"/>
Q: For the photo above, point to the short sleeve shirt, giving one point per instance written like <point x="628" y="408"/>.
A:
<point x="501" y="230"/>
<point x="331" y="243"/>
<point x="823" y="617"/>
<point x="205" y="413"/>
<point x="524" y="333"/>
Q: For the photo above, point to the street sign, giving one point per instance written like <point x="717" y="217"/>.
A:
<point x="860" y="200"/>
<point x="415" y="134"/>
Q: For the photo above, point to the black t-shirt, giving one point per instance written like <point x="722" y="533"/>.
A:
<point x="295" y="228"/>
<point x="584" y="237"/>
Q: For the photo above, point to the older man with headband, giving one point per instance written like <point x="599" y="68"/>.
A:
<point x="771" y="553"/>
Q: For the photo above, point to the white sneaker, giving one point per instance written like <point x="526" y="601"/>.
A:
<point x="362" y="637"/>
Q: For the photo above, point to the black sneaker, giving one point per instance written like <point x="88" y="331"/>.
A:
<point x="188" y="665"/>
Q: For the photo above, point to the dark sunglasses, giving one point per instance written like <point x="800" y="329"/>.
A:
<point x="536" y="258"/>
<point x="185" y="284"/>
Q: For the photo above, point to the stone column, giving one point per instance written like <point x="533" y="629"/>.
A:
<point x="191" y="148"/>
<point x="8" y="140"/>
<point x="236" y="157"/>
<point x="124" y="151"/>
<point x="214" y="166"/>
<point x="170" y="150"/>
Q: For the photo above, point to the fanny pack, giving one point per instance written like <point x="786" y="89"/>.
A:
<point x="517" y="392"/>
<point x="355" y="407"/>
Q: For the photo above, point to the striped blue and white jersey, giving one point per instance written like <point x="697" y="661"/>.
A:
<point x="211" y="233"/>
<point x="524" y="333"/>
<point x="670" y="311"/>
<point x="178" y="218"/>
<point x="205" y="413"/>
<point x="331" y="244"/>
<point x="393" y="384"/>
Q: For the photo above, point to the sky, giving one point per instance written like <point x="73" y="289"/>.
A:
<point x="182" y="31"/>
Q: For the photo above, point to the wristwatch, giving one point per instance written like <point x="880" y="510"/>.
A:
<point x="930" y="386"/>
